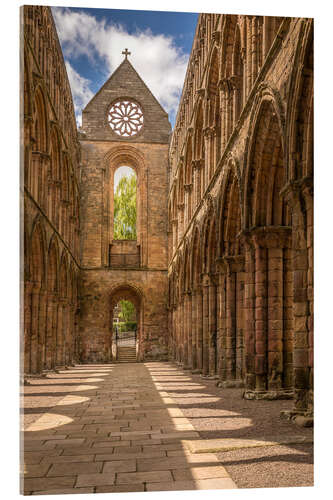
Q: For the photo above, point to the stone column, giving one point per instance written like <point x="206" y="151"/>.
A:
<point x="248" y="66"/>
<point x="205" y="324"/>
<point x="230" y="320"/>
<point x="41" y="330"/>
<point x="185" y="330"/>
<point x="233" y="310"/>
<point x="275" y="318"/>
<point x="300" y="200"/>
<point x="198" y="164"/>
<point x="60" y="337"/>
<point x="55" y="316"/>
<point x="199" y="349"/>
<point x="71" y="335"/>
<point x="208" y="138"/>
<point x="269" y="243"/>
<point x="260" y="316"/>
<point x="224" y="121"/>
<point x="307" y="192"/>
<point x="212" y="324"/>
<point x="194" y="329"/>
<point x="189" y="330"/>
<point x="254" y="49"/>
<point x="34" y="365"/>
<point x="28" y="286"/>
<point x="249" y="312"/>
<point x="49" y="331"/>
<point x="220" y="315"/>
<point x="188" y="211"/>
<point x="181" y="208"/>
<point x="174" y="234"/>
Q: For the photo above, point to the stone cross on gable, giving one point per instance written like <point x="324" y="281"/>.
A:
<point x="126" y="53"/>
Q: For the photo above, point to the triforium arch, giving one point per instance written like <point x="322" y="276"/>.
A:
<point x="132" y="293"/>
<point x="120" y="156"/>
<point x="212" y="129"/>
<point x="268" y="247"/>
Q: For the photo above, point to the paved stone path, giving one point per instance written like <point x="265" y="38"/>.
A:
<point x="113" y="428"/>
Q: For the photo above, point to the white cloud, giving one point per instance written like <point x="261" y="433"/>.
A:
<point x="160" y="63"/>
<point x="80" y="90"/>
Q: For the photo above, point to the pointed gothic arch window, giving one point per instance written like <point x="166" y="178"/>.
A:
<point x="125" y="203"/>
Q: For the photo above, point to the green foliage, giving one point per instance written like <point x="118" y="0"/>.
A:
<point x="127" y="311"/>
<point x="125" y="326"/>
<point x="125" y="209"/>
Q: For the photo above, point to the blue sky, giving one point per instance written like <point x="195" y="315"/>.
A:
<point x="92" y="41"/>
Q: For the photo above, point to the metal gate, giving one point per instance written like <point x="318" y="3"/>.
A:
<point x="125" y="339"/>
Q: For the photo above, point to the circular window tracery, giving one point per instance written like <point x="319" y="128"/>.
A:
<point x="125" y="118"/>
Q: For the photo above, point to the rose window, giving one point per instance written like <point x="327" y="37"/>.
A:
<point x="125" y="118"/>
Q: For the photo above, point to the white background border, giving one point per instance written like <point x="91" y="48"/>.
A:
<point x="9" y="326"/>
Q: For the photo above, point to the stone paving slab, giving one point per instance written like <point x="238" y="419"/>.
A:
<point x="219" y="445"/>
<point x="204" y="484"/>
<point x="64" y="491"/>
<point x="123" y="434"/>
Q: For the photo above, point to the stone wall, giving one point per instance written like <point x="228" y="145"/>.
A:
<point x="240" y="207"/>
<point x="49" y="192"/>
<point x="144" y="278"/>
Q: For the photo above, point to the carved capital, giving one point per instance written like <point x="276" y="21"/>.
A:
<point x="233" y="263"/>
<point x="271" y="236"/>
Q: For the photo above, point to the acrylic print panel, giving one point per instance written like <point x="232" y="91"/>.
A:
<point x="167" y="342"/>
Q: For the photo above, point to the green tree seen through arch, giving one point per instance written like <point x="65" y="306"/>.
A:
<point x="125" y="209"/>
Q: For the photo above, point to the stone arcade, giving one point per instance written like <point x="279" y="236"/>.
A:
<point x="221" y="273"/>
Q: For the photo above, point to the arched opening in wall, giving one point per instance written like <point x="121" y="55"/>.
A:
<point x="52" y="299"/>
<point x="125" y="241"/>
<point x="188" y="186"/>
<point x="209" y="296"/>
<point x="231" y="358"/>
<point x="199" y="154"/>
<point x="269" y="232"/>
<point x="301" y="180"/>
<point x="62" y="335"/>
<point x="33" y="331"/>
<point x="126" y="323"/>
<point x="39" y="162"/>
<point x="124" y="214"/>
<point x="197" y="337"/>
<point x="214" y="114"/>
<point x="238" y="83"/>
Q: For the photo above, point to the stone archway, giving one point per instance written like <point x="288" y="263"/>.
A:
<point x="128" y="292"/>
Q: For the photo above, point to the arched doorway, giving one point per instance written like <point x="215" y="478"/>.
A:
<point x="126" y="323"/>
